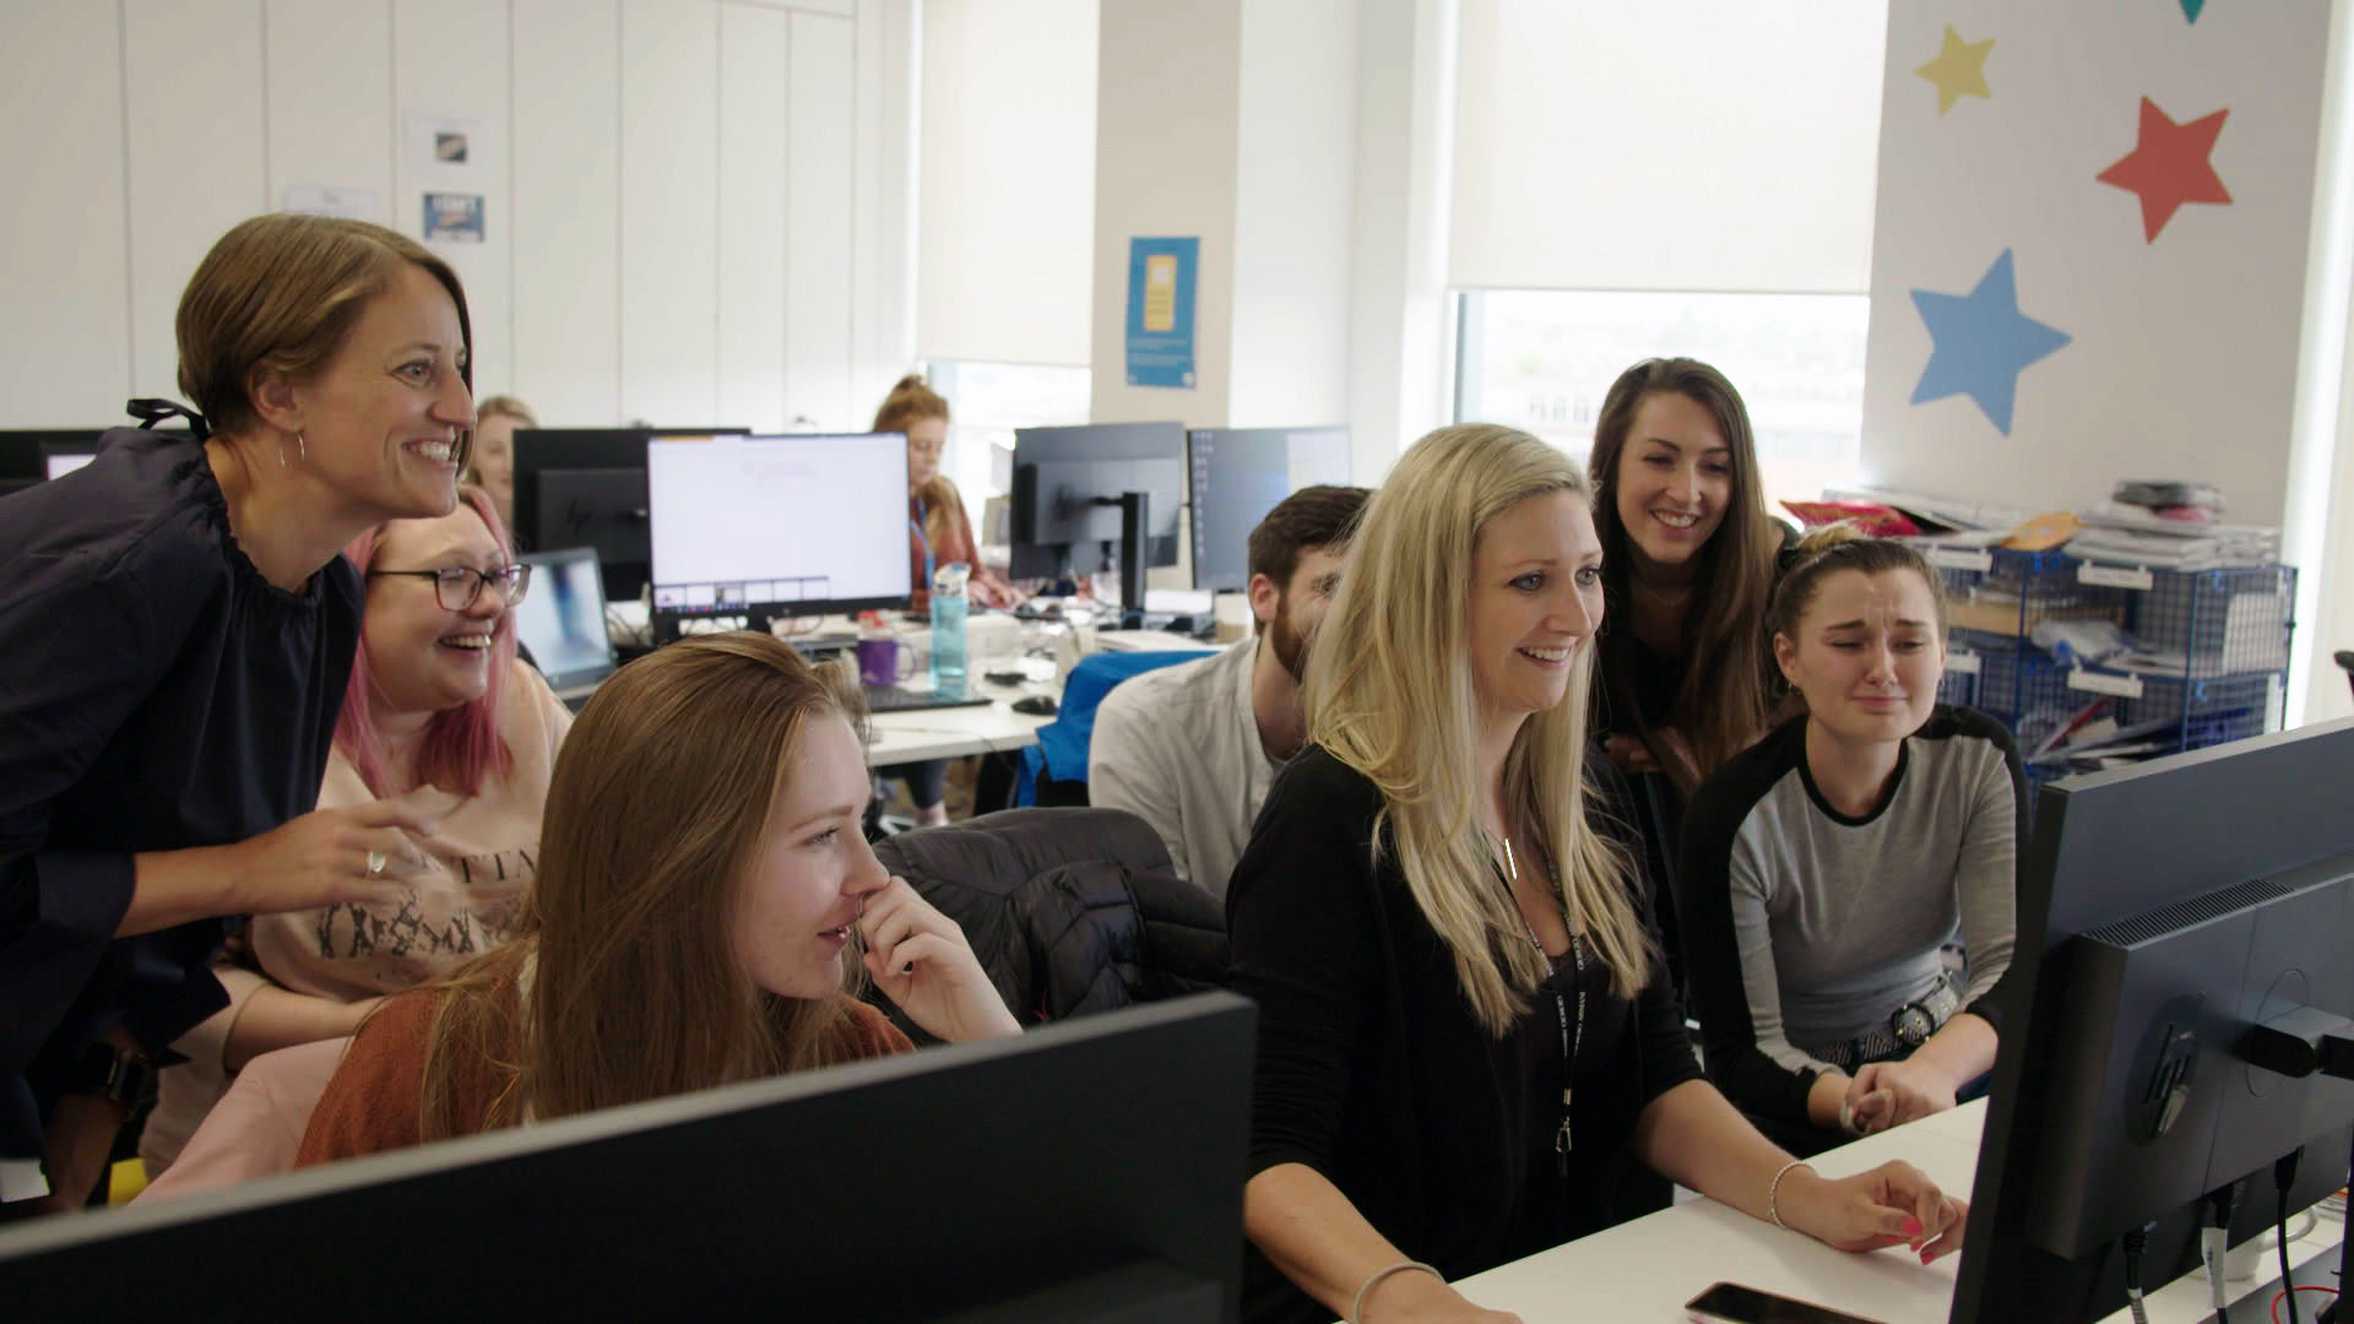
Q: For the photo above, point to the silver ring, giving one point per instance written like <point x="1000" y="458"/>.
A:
<point x="376" y="862"/>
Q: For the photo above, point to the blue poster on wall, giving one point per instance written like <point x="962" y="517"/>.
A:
<point x="1161" y="275"/>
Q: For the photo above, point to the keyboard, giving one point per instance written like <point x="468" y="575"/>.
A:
<point x="892" y="699"/>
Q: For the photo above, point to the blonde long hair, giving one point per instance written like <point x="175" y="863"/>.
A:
<point x="659" y="799"/>
<point x="1389" y="693"/>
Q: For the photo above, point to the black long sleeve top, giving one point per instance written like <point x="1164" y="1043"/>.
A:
<point x="156" y="693"/>
<point x="1373" y="1071"/>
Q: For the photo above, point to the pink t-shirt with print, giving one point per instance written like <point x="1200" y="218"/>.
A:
<point x="455" y="911"/>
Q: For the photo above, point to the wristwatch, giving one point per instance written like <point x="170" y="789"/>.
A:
<point x="1912" y="1024"/>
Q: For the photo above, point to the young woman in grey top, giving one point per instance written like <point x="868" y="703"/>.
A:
<point x="1827" y="867"/>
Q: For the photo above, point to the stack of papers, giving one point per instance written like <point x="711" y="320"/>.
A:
<point x="2131" y="535"/>
<point x="1951" y="512"/>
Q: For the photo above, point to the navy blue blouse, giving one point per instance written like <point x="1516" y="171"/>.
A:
<point x="156" y="693"/>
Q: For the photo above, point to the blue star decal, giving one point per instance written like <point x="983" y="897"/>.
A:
<point x="1981" y="342"/>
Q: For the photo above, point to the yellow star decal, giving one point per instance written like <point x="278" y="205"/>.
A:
<point x="1959" y="69"/>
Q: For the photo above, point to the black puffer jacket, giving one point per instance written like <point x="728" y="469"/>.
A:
<point x="1072" y="911"/>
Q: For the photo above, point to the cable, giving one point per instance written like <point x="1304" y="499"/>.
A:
<point x="2214" y="1239"/>
<point x="2283" y="1295"/>
<point x="2284" y="1175"/>
<point x="2136" y="1242"/>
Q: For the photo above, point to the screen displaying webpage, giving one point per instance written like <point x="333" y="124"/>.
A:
<point x="756" y="522"/>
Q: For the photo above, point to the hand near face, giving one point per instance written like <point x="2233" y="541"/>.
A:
<point x="921" y="961"/>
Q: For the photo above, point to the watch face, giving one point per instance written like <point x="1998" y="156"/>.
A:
<point x="1912" y="1025"/>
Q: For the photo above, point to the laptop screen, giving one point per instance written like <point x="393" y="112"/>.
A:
<point x="562" y="618"/>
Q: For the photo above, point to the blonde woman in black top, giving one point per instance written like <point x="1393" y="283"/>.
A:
<point x="1465" y="1039"/>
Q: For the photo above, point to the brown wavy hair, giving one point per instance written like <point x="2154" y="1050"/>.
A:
<point x="660" y="797"/>
<point x="1727" y="698"/>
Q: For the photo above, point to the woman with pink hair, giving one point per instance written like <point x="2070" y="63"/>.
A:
<point x="437" y="698"/>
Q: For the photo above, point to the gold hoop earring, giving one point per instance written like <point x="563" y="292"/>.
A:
<point x="302" y="447"/>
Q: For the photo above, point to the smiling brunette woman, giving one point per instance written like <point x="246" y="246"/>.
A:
<point x="437" y="698"/>
<point x="652" y="962"/>
<point x="1682" y="679"/>
<point x="176" y="630"/>
<point x="1465" y="1033"/>
<point x="1826" y="868"/>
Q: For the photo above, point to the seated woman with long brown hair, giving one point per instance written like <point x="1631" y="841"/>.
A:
<point x="702" y="878"/>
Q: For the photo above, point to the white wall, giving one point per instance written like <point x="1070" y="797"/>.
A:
<point x="1006" y="238"/>
<point x="2185" y="350"/>
<point x="2321" y="485"/>
<point x="696" y="210"/>
<point x="64" y="168"/>
<point x="1294" y="208"/>
<point x="1166" y="123"/>
<point x="1400" y="318"/>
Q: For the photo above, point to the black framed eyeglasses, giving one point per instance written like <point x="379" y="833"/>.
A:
<point x="456" y="587"/>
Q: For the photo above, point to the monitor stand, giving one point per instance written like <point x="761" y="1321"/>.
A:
<point x="667" y="631"/>
<point x="1135" y="518"/>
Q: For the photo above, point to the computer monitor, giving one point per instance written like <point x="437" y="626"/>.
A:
<point x="1087" y="1170"/>
<point x="2173" y="918"/>
<point x="1116" y="485"/>
<point x="24" y="453"/>
<point x="59" y="459"/>
<point x="761" y="527"/>
<point x="586" y="487"/>
<point x="562" y="619"/>
<point x="1239" y="474"/>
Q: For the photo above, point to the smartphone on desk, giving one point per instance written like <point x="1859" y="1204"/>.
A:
<point x="1731" y="1303"/>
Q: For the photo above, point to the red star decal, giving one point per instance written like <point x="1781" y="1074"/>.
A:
<point x="2169" y="166"/>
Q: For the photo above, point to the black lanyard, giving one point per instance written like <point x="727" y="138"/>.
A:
<point x="1572" y="1040"/>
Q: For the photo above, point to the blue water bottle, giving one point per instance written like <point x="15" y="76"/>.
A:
<point x="948" y="613"/>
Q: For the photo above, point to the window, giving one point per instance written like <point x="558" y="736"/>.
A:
<point x="1543" y="360"/>
<point x="988" y="401"/>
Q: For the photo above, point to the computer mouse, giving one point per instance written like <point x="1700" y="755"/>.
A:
<point x="1036" y="705"/>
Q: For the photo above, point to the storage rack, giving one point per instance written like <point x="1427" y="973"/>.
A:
<point x="2212" y="664"/>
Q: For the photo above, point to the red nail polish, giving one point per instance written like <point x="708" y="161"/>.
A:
<point x="1912" y="1227"/>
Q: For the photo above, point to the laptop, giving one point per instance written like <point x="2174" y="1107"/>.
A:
<point x="561" y="622"/>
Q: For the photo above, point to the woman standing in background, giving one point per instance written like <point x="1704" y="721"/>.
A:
<point x="493" y="470"/>
<point x="1683" y="680"/>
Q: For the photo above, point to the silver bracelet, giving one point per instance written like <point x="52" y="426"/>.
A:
<point x="1357" y="1307"/>
<point x="1774" y="1192"/>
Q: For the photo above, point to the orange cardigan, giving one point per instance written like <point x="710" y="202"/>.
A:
<point x="375" y="1101"/>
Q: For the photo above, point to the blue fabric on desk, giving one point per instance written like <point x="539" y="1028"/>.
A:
<point x="1061" y="751"/>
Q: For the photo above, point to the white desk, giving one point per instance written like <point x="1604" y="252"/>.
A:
<point x="948" y="733"/>
<point x="1648" y="1269"/>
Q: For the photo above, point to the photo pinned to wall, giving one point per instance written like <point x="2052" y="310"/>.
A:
<point x="453" y="217"/>
<point x="443" y="149"/>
